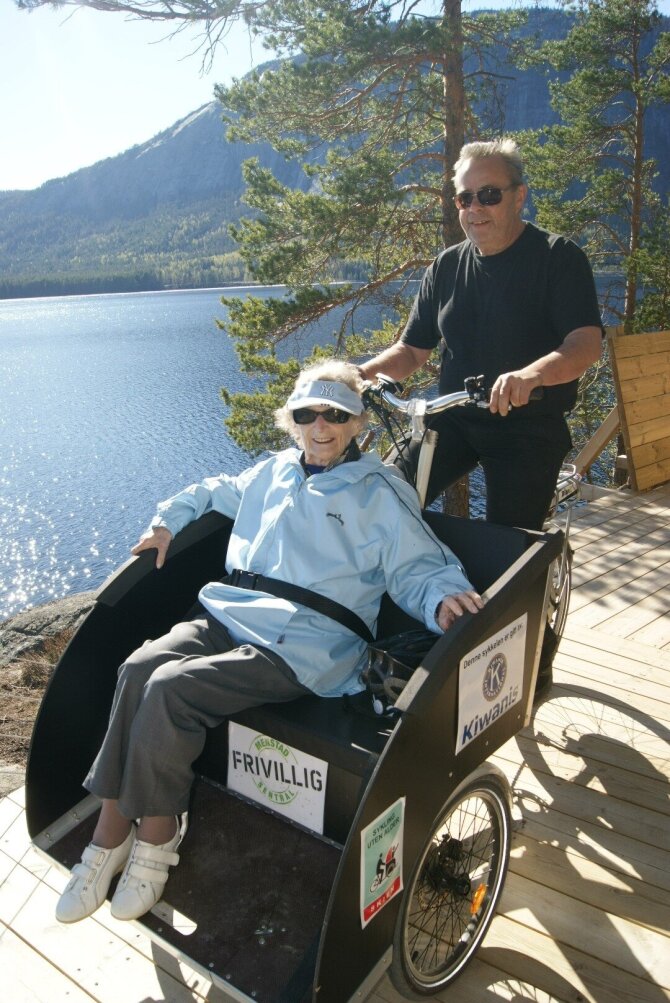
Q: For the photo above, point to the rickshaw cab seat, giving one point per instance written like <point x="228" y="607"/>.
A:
<point x="345" y="732"/>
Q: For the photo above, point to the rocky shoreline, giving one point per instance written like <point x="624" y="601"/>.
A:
<point x="27" y="632"/>
<point x="29" y="643"/>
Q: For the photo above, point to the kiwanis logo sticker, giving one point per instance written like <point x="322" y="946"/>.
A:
<point x="490" y="680"/>
<point x="266" y="770"/>
<point x="494" y="677"/>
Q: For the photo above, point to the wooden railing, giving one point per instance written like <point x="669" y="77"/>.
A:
<point x="641" y="370"/>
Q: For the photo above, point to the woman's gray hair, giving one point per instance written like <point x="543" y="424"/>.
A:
<point x="335" y="371"/>
<point x="505" y="148"/>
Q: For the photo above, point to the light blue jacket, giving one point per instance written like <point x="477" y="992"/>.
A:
<point x="350" y="533"/>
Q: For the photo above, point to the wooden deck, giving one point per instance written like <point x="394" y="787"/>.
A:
<point x="585" y="914"/>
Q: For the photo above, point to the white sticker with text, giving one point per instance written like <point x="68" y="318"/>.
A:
<point x="490" y="681"/>
<point x="289" y="781"/>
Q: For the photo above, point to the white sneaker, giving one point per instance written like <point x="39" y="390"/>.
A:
<point x="91" y="877"/>
<point x="143" y="880"/>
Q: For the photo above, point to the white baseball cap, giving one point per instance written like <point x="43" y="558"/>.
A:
<point x="326" y="392"/>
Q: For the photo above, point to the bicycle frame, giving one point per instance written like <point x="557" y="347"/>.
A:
<point x="418" y="409"/>
<point x="476" y="395"/>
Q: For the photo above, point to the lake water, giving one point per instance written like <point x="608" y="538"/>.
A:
<point x="109" y="404"/>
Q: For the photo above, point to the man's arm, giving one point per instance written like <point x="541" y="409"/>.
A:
<point x="398" y="362"/>
<point x="579" y="350"/>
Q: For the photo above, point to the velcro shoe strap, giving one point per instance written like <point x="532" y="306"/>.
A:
<point x="93" y="856"/>
<point x="153" y="855"/>
<point x="154" y="875"/>
<point x="81" y="870"/>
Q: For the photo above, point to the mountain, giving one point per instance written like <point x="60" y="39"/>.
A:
<point x="157" y="215"/>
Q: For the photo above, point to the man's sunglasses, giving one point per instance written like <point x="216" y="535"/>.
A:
<point x="488" y="195"/>
<point x="305" y="416"/>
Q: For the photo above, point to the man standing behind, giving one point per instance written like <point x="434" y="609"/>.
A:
<point x="517" y="304"/>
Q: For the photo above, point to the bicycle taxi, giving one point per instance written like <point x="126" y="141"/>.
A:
<point x="346" y="843"/>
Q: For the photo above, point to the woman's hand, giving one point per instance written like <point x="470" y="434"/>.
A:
<point x="454" y="606"/>
<point x="159" y="538"/>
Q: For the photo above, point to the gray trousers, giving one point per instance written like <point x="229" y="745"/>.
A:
<point x="168" y="693"/>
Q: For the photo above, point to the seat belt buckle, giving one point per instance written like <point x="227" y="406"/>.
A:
<point x="244" y="579"/>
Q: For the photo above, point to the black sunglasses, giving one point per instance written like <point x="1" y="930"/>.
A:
<point x="488" y="195"/>
<point x="305" y="416"/>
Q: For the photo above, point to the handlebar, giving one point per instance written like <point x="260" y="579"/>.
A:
<point x="387" y="389"/>
<point x="475" y="394"/>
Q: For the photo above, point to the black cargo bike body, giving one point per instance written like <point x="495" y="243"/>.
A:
<point x="296" y="912"/>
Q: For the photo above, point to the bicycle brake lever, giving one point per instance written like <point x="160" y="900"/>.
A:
<point x="478" y="392"/>
<point x="394" y="386"/>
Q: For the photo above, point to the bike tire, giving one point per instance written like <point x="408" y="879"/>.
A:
<point x="454" y="889"/>
<point x="559" y="598"/>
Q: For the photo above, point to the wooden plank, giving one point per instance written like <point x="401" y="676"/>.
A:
<point x="655" y="633"/>
<point x="649" y="431"/>
<point x="648" y="386"/>
<point x="594" y="447"/>
<point x="568" y="764"/>
<point x="619" y="588"/>
<point x="480" y="981"/>
<point x="609" y="523"/>
<point x="655" y="545"/>
<point x="627" y="946"/>
<point x="616" y="513"/>
<point x="585" y="849"/>
<point x="647" y="409"/>
<point x="517" y="963"/>
<point x="28" y="978"/>
<point x="645" y="829"/>
<point x="620" y="852"/>
<point x="641" y="620"/>
<point x="583" y="720"/>
<point x="573" y="663"/>
<point x="652" y="452"/>
<point x="559" y="867"/>
<point x="597" y="614"/>
<point x="646" y="343"/>
<point x="558" y="968"/>
<point x="597" y="540"/>
<point x="641" y="367"/>
<point x="630" y="650"/>
<point x="576" y="675"/>
<point x="107" y="968"/>
<point x="648" y="476"/>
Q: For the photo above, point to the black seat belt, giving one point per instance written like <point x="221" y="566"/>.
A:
<point x="295" y="593"/>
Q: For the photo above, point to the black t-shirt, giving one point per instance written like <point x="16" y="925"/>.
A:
<point x="498" y="313"/>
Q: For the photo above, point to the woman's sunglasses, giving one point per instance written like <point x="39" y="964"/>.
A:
<point x="305" y="416"/>
<point x="488" y="195"/>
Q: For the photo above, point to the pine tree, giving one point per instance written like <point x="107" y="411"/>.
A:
<point x="373" y="103"/>
<point x="591" y="174"/>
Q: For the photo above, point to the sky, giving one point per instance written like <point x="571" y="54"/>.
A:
<point x="77" y="85"/>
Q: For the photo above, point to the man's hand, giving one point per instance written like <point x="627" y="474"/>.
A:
<point x="513" y="390"/>
<point x="454" y="606"/>
<point x="579" y="350"/>
<point x="159" y="538"/>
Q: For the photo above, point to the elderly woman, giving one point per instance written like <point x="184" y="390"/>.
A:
<point x="323" y="517"/>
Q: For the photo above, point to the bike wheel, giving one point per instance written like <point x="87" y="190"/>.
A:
<point x="454" y="889"/>
<point x="559" y="596"/>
